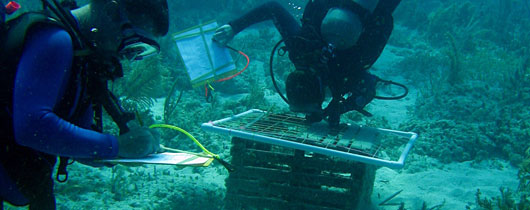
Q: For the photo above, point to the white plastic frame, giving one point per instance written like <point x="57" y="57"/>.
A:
<point x="211" y="127"/>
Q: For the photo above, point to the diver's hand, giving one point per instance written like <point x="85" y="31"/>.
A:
<point x="138" y="142"/>
<point x="223" y="34"/>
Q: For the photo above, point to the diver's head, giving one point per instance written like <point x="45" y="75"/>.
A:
<point x="304" y="92"/>
<point x="148" y="15"/>
<point x="341" y="27"/>
<point x="124" y="27"/>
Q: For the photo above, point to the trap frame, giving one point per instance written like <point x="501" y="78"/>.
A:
<point x="375" y="146"/>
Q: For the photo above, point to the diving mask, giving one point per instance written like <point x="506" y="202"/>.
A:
<point x="136" y="44"/>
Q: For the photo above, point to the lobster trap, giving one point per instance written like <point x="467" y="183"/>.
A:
<point x="283" y="162"/>
<point x="274" y="177"/>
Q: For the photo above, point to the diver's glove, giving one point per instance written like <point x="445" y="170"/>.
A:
<point x="223" y="34"/>
<point x="138" y="142"/>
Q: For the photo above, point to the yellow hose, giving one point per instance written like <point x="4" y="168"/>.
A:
<point x="188" y="135"/>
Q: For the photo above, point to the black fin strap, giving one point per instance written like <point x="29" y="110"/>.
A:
<point x="62" y="173"/>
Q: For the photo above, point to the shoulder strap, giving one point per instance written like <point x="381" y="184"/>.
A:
<point x="18" y="28"/>
<point x="67" y="19"/>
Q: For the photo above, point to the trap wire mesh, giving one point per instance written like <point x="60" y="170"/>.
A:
<point x="374" y="146"/>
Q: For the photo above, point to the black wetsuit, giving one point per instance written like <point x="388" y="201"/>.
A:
<point x="345" y="72"/>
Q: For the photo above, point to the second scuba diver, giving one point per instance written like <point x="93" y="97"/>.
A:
<point x="338" y="41"/>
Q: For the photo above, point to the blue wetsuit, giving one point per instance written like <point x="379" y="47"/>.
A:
<point x="42" y="78"/>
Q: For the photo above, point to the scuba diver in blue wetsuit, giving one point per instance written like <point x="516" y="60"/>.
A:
<point x="338" y="42"/>
<point x="56" y="65"/>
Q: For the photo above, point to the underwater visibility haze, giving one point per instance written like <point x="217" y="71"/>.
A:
<point x="466" y="64"/>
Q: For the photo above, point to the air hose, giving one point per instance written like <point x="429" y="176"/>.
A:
<point x="230" y="77"/>
<point x="238" y="73"/>
<point x="215" y="156"/>
<point x="406" y="90"/>
<point x="272" y="72"/>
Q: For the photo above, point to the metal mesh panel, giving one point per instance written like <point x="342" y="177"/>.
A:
<point x="370" y="145"/>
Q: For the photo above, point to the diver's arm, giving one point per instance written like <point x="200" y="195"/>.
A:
<point x="41" y="79"/>
<point x="268" y="11"/>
